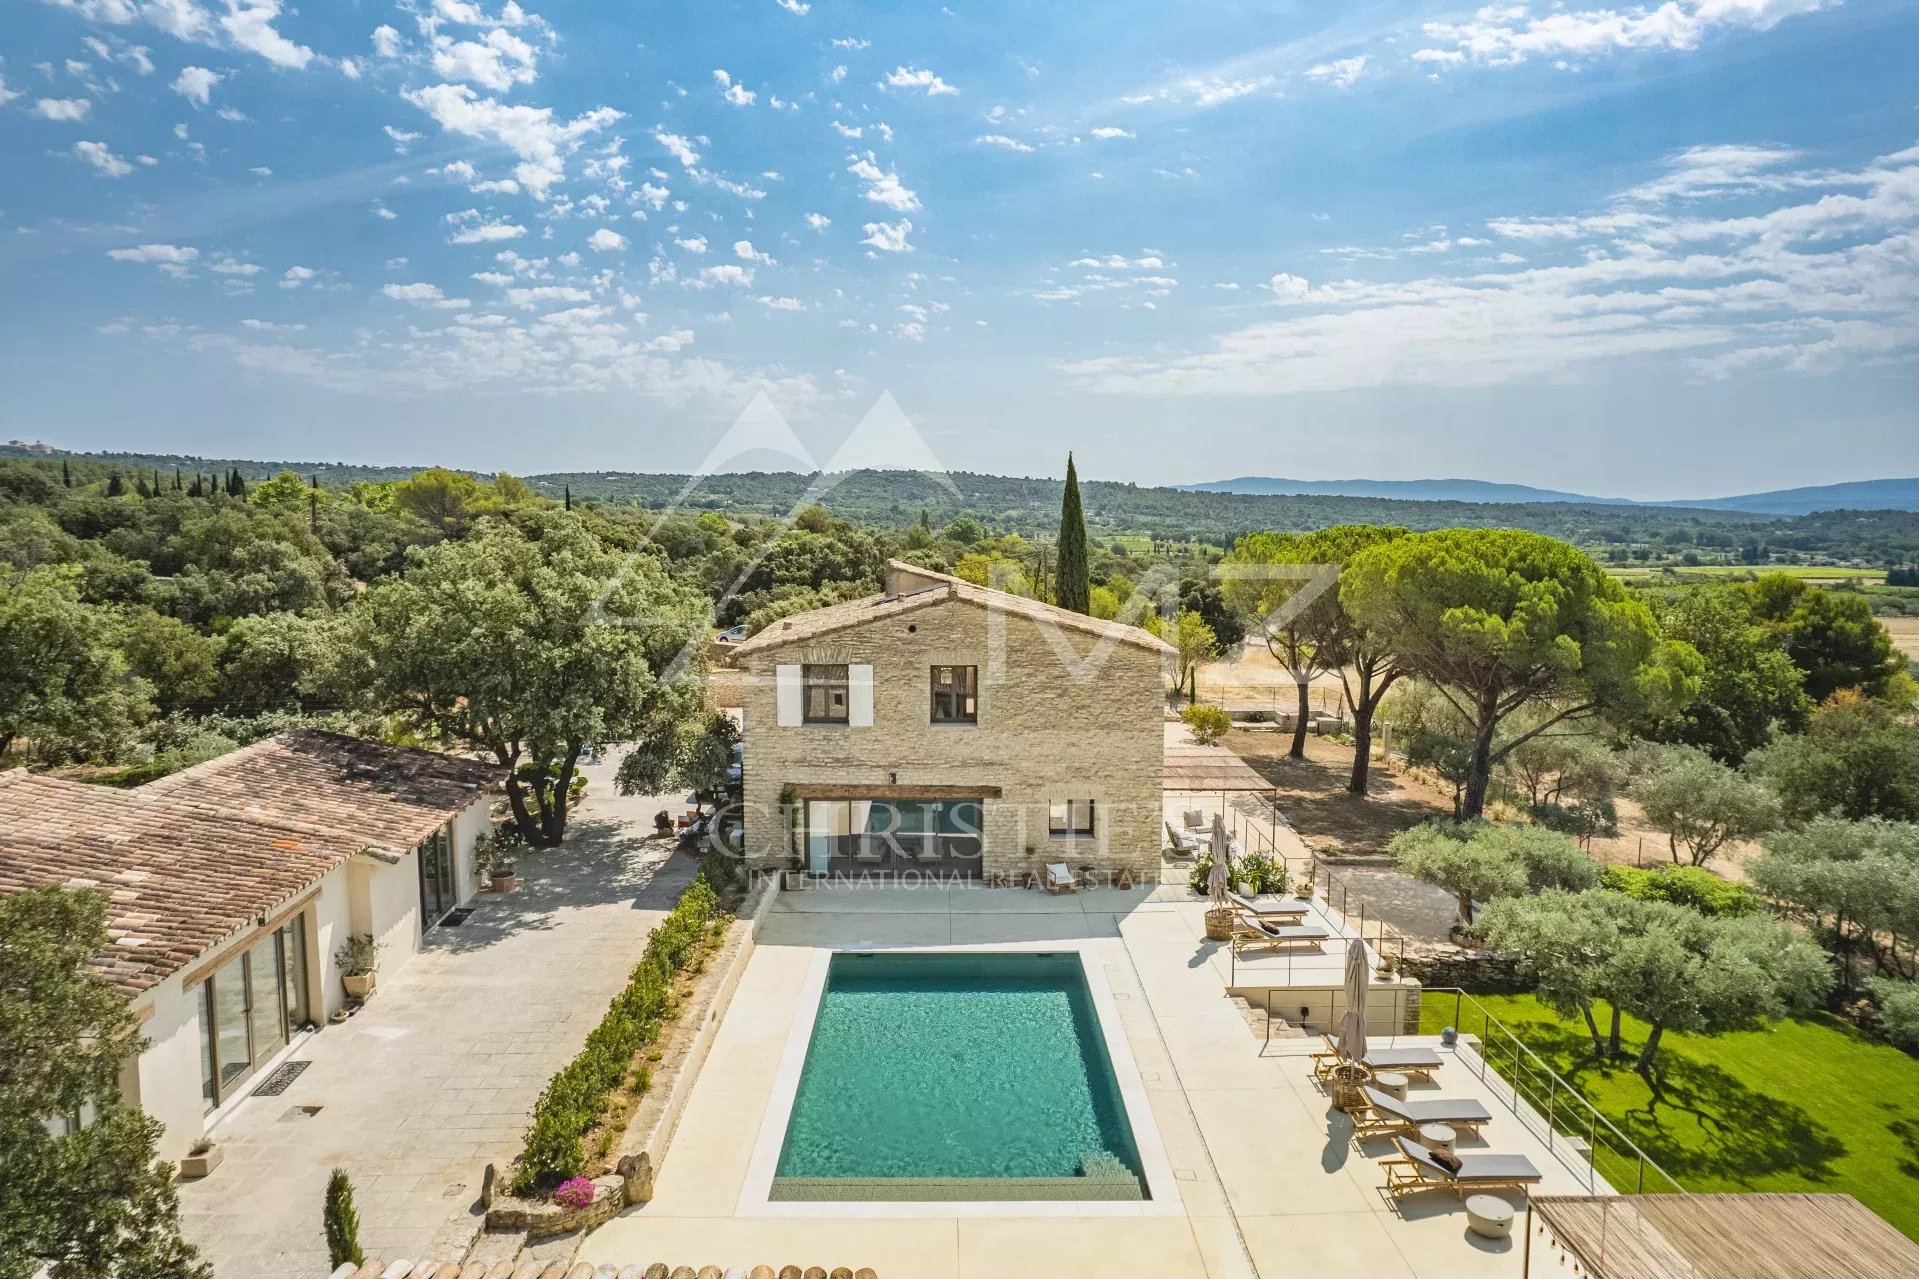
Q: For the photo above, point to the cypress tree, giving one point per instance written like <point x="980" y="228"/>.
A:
<point x="116" y="487"/>
<point x="342" y="1222"/>
<point x="140" y="485"/>
<point x="66" y="474"/>
<point x="566" y="491"/>
<point x="1073" y="589"/>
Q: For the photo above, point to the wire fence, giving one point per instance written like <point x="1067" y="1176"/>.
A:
<point x="1550" y="1106"/>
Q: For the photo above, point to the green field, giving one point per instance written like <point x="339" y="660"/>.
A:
<point x="1810" y="1105"/>
<point x="1810" y="572"/>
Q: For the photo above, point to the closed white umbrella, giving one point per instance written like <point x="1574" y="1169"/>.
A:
<point x="1219" y="880"/>
<point x="1352" y="1026"/>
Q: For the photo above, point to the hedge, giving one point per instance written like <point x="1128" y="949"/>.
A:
<point x="576" y="1098"/>
<point x="1693" y="886"/>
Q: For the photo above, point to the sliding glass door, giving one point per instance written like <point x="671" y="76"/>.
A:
<point x="249" y="1009"/>
<point x="438" y="894"/>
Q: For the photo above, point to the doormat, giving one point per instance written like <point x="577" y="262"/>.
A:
<point x="456" y="917"/>
<point x="281" y="1079"/>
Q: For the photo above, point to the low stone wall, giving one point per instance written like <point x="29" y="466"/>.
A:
<point x="683" y="1049"/>
<point x="1486" y="971"/>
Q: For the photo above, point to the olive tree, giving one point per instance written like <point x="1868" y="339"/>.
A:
<point x="1479" y="861"/>
<point x="1700" y="803"/>
<point x="532" y="641"/>
<point x="1501" y="621"/>
<point x="1281" y="584"/>
<point x="1854" y="883"/>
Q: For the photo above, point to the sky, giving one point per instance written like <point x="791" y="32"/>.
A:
<point x="1650" y="252"/>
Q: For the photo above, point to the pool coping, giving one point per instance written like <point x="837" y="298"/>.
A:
<point x="755" y="1193"/>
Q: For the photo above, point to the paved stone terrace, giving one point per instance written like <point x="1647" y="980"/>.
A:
<point x="435" y="1078"/>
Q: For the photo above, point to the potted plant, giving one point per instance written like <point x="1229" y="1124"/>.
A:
<point x="358" y="956"/>
<point x="202" y="1159"/>
<point x="493" y="856"/>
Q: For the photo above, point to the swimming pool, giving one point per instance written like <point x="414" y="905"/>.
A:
<point x="968" y="1076"/>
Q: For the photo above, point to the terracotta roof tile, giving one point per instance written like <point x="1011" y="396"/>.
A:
<point x="186" y="861"/>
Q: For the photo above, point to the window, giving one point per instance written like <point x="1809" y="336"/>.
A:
<point x="827" y="694"/>
<point x="1070" y="817"/>
<point x="248" y="1010"/>
<point x="956" y="694"/>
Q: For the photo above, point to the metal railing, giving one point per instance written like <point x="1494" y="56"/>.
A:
<point x="1550" y="1106"/>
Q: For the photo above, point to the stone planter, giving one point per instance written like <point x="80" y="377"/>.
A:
<point x="195" y="1166"/>
<point x="1219" y="925"/>
<point x="359" y="985"/>
<point x="503" y="883"/>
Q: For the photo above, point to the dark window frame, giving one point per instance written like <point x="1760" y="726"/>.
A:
<point x="955" y="702"/>
<point x="1064" y="827"/>
<point x="815" y="675"/>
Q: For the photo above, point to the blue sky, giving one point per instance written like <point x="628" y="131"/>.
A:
<point x="1652" y="252"/>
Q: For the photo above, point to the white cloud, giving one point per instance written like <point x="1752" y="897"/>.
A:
<point x="249" y="25"/>
<point x="782" y="304"/>
<point x="424" y="294"/>
<point x="532" y="133"/>
<point x="382" y="212"/>
<point x="101" y="158"/>
<point x="402" y="138"/>
<point x="386" y="41"/>
<point x="260" y="171"/>
<point x="228" y="265"/>
<point x="64" y="110"/>
<point x="1106" y="132"/>
<point x="847" y="130"/>
<point x="818" y="221"/>
<point x="605" y="241"/>
<point x="693" y="243"/>
<point x="1340" y="74"/>
<point x="837" y="74"/>
<point x="799" y="7"/>
<point x="738" y="94"/>
<point x="295" y="276"/>
<point x="678" y="147"/>
<point x="486" y="232"/>
<point x="654" y="195"/>
<point x="726" y="275"/>
<point x="270" y="326"/>
<point x="882" y="185"/>
<point x="1289" y="287"/>
<point x="889" y="237"/>
<point x="195" y="84"/>
<point x="745" y="252"/>
<point x="498" y="60"/>
<point x="852" y="44"/>
<point x="918" y="78"/>
<point x="1508" y="34"/>
<point x="1001" y="140"/>
<point x="158" y="253"/>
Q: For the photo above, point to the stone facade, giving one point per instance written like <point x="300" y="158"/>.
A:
<point x="1066" y="712"/>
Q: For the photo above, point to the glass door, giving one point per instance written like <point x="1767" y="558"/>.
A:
<point x="437" y="895"/>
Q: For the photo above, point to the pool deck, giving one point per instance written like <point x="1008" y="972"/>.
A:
<point x="1270" y="1181"/>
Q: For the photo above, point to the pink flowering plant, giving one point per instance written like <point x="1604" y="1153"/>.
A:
<point x="575" y="1192"/>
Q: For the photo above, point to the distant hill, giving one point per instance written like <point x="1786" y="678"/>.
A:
<point x="1401" y="490"/>
<point x="1856" y="495"/>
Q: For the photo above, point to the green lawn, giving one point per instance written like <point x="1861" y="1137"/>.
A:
<point x="1810" y="1105"/>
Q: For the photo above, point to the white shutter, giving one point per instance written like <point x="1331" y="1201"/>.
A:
<point x="859" y="697"/>
<point x="788" y="694"/>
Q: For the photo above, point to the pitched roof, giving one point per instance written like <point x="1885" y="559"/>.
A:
<point x="939" y="588"/>
<point x="186" y="861"/>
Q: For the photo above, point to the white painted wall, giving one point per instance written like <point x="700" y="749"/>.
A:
<point x="329" y="924"/>
<point x="467" y="828"/>
<point x="168" y="1077"/>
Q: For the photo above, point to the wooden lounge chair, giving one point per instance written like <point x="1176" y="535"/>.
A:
<point x="1184" y="846"/>
<point x="1385" y="1113"/>
<point x="1276" y="910"/>
<point x="1057" y="878"/>
<point x="1405" y="1061"/>
<point x="1415" y="1169"/>
<point x="1251" y="932"/>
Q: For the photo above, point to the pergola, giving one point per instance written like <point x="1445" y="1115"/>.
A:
<point x="1780" y="1236"/>
<point x="1199" y="770"/>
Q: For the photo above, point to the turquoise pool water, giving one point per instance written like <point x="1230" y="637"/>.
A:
<point x="975" y="1076"/>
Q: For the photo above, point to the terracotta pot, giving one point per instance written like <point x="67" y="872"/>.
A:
<point x="358" y="986"/>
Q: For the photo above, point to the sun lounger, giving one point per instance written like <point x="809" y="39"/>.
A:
<point x="1058" y="879"/>
<point x="1272" y="909"/>
<point x="1416" y="1169"/>
<point x="1253" y="931"/>
<point x="1405" y="1061"/>
<point x="1385" y="1113"/>
<point x="1184" y="845"/>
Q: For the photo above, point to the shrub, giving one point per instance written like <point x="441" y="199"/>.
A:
<point x="1899" y="1008"/>
<point x="342" y="1222"/>
<point x="1202" y="867"/>
<point x="1259" y="874"/>
<point x="1692" y="886"/>
<point x="575" y="1192"/>
<point x="1208" y="723"/>
<point x="576" y="1097"/>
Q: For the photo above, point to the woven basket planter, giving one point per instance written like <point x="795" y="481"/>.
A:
<point x="1219" y="925"/>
